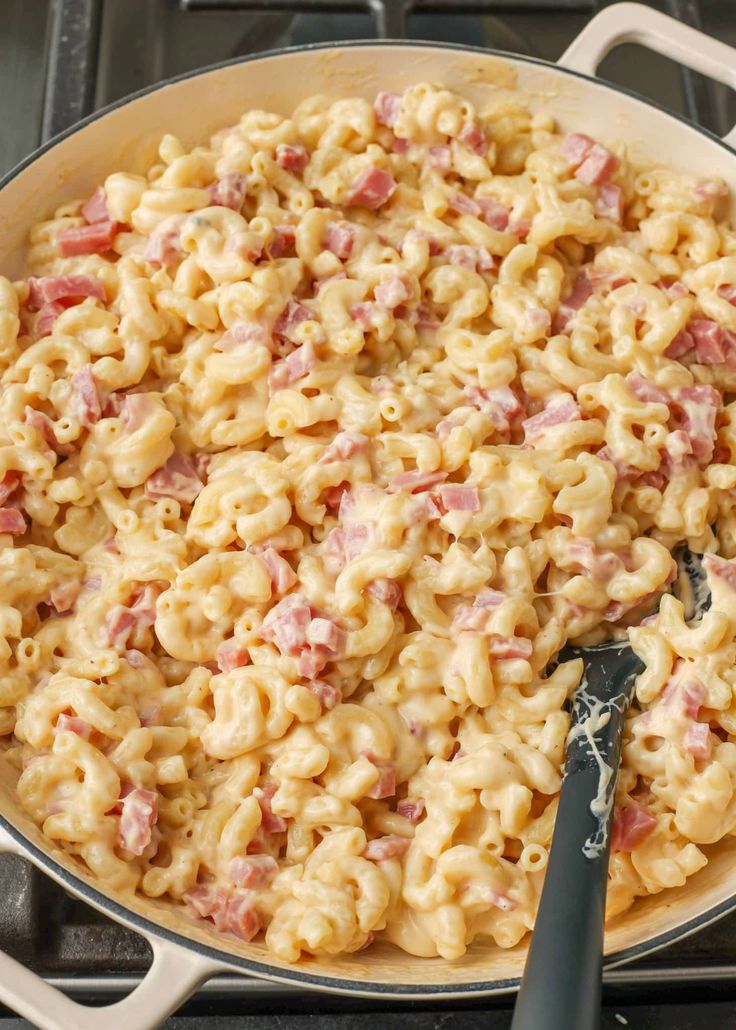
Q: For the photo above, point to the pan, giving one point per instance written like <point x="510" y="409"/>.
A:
<point x="125" y="136"/>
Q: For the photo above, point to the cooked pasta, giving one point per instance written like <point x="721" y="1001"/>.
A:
<point x="318" y="442"/>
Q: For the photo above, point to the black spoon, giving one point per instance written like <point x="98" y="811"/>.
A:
<point x="561" y="986"/>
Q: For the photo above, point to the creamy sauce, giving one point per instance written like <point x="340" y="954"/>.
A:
<point x="593" y="716"/>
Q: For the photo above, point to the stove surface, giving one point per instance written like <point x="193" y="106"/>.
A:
<point x="60" y="59"/>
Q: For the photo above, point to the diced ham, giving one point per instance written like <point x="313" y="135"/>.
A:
<point x="400" y="146"/>
<point x="598" y="166"/>
<point x="687" y="695"/>
<point x="520" y="227"/>
<point x="63" y="596"/>
<point x="380" y="849"/>
<point x="469" y="619"/>
<point x="118" y="625"/>
<point x="339" y="238"/>
<point x="600" y="565"/>
<point x="270" y="822"/>
<point x="416" y="481"/>
<point x="582" y="289"/>
<point x="207" y="903"/>
<point x="388" y="108"/>
<point x="286" y="624"/>
<point x="440" y="158"/>
<point x="244" y="334"/>
<point x="231" y="655"/>
<point x="284" y="237"/>
<point x="137" y="819"/>
<point x="509" y="647"/>
<point x="121" y="620"/>
<point x="477" y="259"/>
<point x="372" y="189"/>
<point x="294" y="367"/>
<point x="673" y="289"/>
<point x="692" y="694"/>
<point x="494" y="213"/>
<point x="699" y="407"/>
<point x="323" y="633"/>
<point x="610" y="202"/>
<point x="728" y="292"/>
<point x="73" y="724"/>
<point x="501" y="405"/>
<point x="328" y="695"/>
<point x="678" y="446"/>
<point x="292" y="316"/>
<point x="333" y="553"/>
<point x="176" y="479"/>
<point x="698" y="741"/>
<point x="385" y="591"/>
<point x="229" y="191"/>
<point x="301" y="631"/>
<point x="253" y="871"/>
<point x="164" y="247"/>
<point x="241" y="918"/>
<point x="681" y="344"/>
<point x="393" y="292"/>
<point x="713" y="343"/>
<point x="84" y="397"/>
<point x="631" y="825"/>
<point x="645" y="391"/>
<point x="345" y="445"/>
<point x="12" y="521"/>
<point x="356" y="539"/>
<point x="9" y="484"/>
<point x="462" y="204"/>
<point x="425" y="510"/>
<point x="95" y="210"/>
<point x="557" y="412"/>
<point x="292" y="158"/>
<point x="88" y="239"/>
<point x="460" y="497"/>
<point x="43" y="425"/>
<point x="575" y="148"/>
<point x="72" y="288"/>
<point x="366" y="315"/>
<point x="385" y="785"/>
<point x="474" y="138"/>
<point x="133" y="408"/>
<point x="282" y="575"/>
<point x="47" y="316"/>
<point x="411" y="809"/>
<point x="725" y="570"/>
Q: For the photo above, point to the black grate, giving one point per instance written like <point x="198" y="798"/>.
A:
<point x="391" y="16"/>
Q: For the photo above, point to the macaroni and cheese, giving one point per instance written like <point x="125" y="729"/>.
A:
<point x="318" y="442"/>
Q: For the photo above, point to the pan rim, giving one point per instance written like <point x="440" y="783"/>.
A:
<point x="148" y="927"/>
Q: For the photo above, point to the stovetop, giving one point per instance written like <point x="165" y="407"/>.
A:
<point x="61" y="59"/>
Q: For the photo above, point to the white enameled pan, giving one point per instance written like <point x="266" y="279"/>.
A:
<point x="125" y="137"/>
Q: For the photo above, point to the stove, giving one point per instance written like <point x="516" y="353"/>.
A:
<point x="60" y="60"/>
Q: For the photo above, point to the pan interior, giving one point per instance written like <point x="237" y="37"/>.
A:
<point x="126" y="138"/>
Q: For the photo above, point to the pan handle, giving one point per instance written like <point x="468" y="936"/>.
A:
<point x="174" y="974"/>
<point x="634" y="23"/>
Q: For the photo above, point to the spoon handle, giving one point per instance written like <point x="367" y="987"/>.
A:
<point x="561" y="987"/>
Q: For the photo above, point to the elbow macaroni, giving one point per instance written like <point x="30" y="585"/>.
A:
<point x="357" y="418"/>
